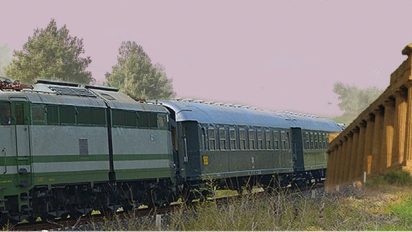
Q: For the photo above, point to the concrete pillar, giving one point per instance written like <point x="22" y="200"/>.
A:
<point x="345" y="144"/>
<point x="348" y="157"/>
<point x="337" y="164"/>
<point x="385" y="160"/>
<point x="329" y="167"/>
<point x="332" y="167"/>
<point x="377" y="141"/>
<point x="340" y="162"/>
<point x="408" y="132"/>
<point x="354" y="154"/>
<point x="370" y="126"/>
<point x="398" y="149"/>
<point x="360" y="151"/>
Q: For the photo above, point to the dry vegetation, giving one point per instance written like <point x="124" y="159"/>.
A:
<point x="385" y="203"/>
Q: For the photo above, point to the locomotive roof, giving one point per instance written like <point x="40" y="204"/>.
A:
<point x="64" y="93"/>
<point x="220" y="114"/>
<point x="118" y="100"/>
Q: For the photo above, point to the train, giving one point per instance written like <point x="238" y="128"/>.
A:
<point x="67" y="149"/>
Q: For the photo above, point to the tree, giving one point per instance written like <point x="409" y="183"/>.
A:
<point x="51" y="53"/>
<point x="135" y="75"/>
<point x="353" y="100"/>
<point x="4" y="58"/>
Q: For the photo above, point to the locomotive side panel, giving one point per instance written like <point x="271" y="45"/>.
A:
<point x="141" y="153"/>
<point x="8" y="168"/>
<point x="69" y="154"/>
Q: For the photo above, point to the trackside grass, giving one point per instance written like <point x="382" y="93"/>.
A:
<point x="384" y="204"/>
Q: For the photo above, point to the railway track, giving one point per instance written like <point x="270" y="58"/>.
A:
<point x="84" y="222"/>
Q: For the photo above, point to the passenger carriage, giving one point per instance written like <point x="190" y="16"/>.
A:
<point x="238" y="146"/>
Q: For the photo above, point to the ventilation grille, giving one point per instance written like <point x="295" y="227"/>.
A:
<point x="83" y="147"/>
<point x="72" y="91"/>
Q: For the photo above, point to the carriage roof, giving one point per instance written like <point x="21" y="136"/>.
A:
<point x="238" y="115"/>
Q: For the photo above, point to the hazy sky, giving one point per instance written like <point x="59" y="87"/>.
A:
<point x="271" y="54"/>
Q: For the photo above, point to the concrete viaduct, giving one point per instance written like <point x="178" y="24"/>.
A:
<point x="380" y="138"/>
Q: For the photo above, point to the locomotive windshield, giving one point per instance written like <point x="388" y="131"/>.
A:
<point x="5" y="114"/>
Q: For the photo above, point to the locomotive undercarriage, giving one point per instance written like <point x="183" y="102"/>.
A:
<point x="62" y="201"/>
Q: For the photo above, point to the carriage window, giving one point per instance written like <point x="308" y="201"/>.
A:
<point x="67" y="114"/>
<point x="287" y="140"/>
<point x="242" y="136"/>
<point x="232" y="134"/>
<point x="306" y="138"/>
<point x="5" y="113"/>
<point x="162" y="121"/>
<point x="268" y="138"/>
<point x="276" y="143"/>
<point x="38" y="114"/>
<point x="202" y="138"/>
<point x="212" y="138"/>
<point x="325" y="141"/>
<point x="284" y="136"/>
<point x="222" y="139"/>
<point x="315" y="140"/>
<point x="252" y="135"/>
<point x="260" y="139"/>
<point x="311" y="140"/>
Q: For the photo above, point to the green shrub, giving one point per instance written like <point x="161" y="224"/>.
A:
<point x="394" y="177"/>
<point x="398" y="177"/>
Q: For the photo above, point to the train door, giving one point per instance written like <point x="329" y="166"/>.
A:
<point x="297" y="149"/>
<point x="189" y="147"/>
<point x="20" y="112"/>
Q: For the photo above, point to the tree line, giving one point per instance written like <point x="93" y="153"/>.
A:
<point x="52" y="53"/>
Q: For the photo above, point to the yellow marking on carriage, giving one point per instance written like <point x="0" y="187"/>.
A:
<point x="205" y="160"/>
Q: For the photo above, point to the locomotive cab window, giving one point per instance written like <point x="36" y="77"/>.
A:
<point x="124" y="118"/>
<point x="91" y="116"/>
<point x="52" y="112"/>
<point x="147" y="120"/>
<point x="67" y="114"/>
<point x="152" y="120"/>
<point x="38" y="114"/>
<point x="5" y="113"/>
<point x="162" y="121"/>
